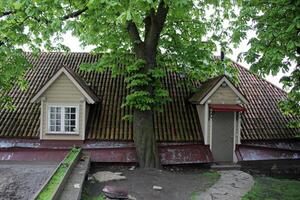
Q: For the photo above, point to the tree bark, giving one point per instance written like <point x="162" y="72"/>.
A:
<point x="143" y="121"/>
<point x="144" y="139"/>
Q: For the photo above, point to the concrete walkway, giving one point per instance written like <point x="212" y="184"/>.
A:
<point x="232" y="185"/>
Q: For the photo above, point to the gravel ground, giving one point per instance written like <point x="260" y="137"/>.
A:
<point x="177" y="183"/>
<point x="19" y="180"/>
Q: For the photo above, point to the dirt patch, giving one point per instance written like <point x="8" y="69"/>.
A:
<point x="21" y="180"/>
<point x="177" y="183"/>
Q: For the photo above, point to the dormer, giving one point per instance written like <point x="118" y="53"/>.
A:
<point x="220" y="105"/>
<point x="65" y="100"/>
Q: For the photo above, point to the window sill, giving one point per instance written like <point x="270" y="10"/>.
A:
<point x="62" y="133"/>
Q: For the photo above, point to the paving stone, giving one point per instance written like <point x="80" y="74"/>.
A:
<point x="104" y="176"/>
<point x="232" y="185"/>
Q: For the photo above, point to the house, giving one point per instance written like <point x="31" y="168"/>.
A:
<point x="220" y="122"/>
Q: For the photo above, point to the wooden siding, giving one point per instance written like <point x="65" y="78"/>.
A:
<point x="224" y="95"/>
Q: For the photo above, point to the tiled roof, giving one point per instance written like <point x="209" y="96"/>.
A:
<point x="263" y="119"/>
<point x="178" y="121"/>
<point x="90" y="93"/>
<point x="204" y="89"/>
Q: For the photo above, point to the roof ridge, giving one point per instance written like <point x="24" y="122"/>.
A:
<point x="234" y="62"/>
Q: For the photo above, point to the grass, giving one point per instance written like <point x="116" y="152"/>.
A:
<point x="48" y="191"/>
<point x="86" y="196"/>
<point x="266" y="188"/>
<point x="211" y="177"/>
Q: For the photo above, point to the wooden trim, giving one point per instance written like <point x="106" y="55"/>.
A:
<point x="210" y="128"/>
<point x="42" y="117"/>
<point x="83" y="119"/>
<point x="213" y="90"/>
<point x="206" y="110"/>
<point x="239" y="128"/>
<point x="234" y="131"/>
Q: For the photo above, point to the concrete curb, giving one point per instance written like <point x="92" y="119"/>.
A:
<point x="77" y="177"/>
<point x="62" y="183"/>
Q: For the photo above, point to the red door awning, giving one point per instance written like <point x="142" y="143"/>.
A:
<point x="227" y="108"/>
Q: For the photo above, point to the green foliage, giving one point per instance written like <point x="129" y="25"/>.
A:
<point x="185" y="43"/>
<point x="276" y="46"/>
<point x="85" y="195"/>
<point x="273" y="189"/>
<point x="212" y="174"/>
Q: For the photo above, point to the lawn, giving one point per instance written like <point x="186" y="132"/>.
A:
<point x="266" y="188"/>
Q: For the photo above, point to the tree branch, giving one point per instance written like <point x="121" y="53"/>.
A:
<point x="157" y="24"/>
<point x="5" y="13"/>
<point x="134" y="35"/>
<point x="147" y="22"/>
<point x="161" y="14"/>
<point x="74" y="14"/>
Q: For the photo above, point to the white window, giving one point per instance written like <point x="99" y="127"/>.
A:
<point x="63" y="119"/>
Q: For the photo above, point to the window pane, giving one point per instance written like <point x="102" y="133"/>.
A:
<point x="70" y="119"/>
<point x="73" y="110"/>
<point x="55" y="119"/>
<point x="73" y="128"/>
<point x="73" y="116"/>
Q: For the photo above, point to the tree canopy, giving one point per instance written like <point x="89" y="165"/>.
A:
<point x="116" y="28"/>
<point x="276" y="46"/>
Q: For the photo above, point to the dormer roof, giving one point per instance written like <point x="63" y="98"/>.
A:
<point x="90" y="96"/>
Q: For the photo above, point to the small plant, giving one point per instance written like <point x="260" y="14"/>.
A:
<point x="85" y="195"/>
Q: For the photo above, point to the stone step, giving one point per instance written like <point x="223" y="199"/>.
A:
<point x="225" y="166"/>
<point x="73" y="187"/>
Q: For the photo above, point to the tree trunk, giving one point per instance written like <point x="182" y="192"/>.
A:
<point x="144" y="139"/>
<point x="143" y="121"/>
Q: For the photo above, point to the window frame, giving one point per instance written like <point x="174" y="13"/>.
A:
<point x="63" y="132"/>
